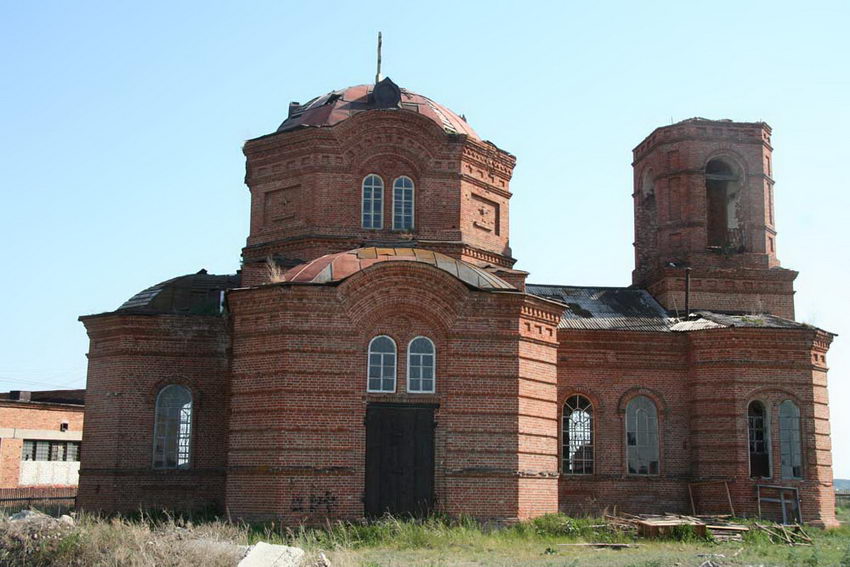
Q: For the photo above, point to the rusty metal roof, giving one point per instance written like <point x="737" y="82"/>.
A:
<point x="336" y="106"/>
<point x="615" y="308"/>
<point x="337" y="267"/>
<point x="192" y="294"/>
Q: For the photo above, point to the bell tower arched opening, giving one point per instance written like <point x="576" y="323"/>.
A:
<point x="722" y="187"/>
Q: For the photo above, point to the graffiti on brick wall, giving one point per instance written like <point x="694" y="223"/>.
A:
<point x="324" y="503"/>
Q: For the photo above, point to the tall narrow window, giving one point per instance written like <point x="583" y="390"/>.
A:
<point x="373" y="202"/>
<point x="642" y="436"/>
<point x="172" y="428"/>
<point x="381" y="372"/>
<point x="577" y="426"/>
<point x="759" y="440"/>
<point x="789" y="440"/>
<point x="403" y="203"/>
<point x="420" y="366"/>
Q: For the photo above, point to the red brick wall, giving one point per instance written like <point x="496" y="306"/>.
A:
<point x="130" y="359"/>
<point x="306" y="190"/>
<point x="702" y="382"/>
<point x="299" y="393"/>
<point x="671" y="209"/>
<point x="24" y="415"/>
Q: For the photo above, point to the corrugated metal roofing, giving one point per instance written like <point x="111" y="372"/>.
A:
<point x="336" y="267"/>
<point x="629" y="309"/>
<point x="605" y="307"/>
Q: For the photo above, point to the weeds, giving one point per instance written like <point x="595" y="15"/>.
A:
<point x="158" y="539"/>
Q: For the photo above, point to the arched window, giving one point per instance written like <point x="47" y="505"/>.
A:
<point x="172" y="436"/>
<point x="789" y="440"/>
<point x="577" y="444"/>
<point x="373" y="202"/>
<point x="403" y="203"/>
<point x="642" y="436"/>
<point x="421" y="361"/>
<point x="382" y="354"/>
<point x="759" y="440"/>
<point x="721" y="186"/>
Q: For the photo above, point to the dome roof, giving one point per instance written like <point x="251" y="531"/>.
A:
<point x="336" y="106"/>
<point x="336" y="267"/>
<point x="192" y="294"/>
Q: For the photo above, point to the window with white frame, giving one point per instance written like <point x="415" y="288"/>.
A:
<point x="382" y="364"/>
<point x="421" y="361"/>
<point x="172" y="428"/>
<point x="373" y="202"/>
<point x="789" y="440"/>
<point x="642" y="436"/>
<point x="577" y="430"/>
<point x="38" y="450"/>
<point x="403" y="203"/>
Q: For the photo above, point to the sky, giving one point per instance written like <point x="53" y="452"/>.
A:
<point x="121" y="127"/>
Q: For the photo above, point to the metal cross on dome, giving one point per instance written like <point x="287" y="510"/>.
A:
<point x="378" y="74"/>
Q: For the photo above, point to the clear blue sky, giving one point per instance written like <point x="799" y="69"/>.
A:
<point x="121" y="126"/>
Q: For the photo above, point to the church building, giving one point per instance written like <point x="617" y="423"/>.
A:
<point x="378" y="351"/>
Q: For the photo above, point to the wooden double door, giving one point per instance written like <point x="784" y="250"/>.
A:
<point x="399" y="459"/>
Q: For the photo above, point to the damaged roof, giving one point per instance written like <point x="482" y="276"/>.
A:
<point x="192" y="294"/>
<point x="336" y="106"/>
<point x="337" y="267"/>
<point x="701" y="320"/>
<point x="631" y="309"/>
<point x="605" y="307"/>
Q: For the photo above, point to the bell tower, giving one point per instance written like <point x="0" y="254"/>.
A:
<point x="703" y="205"/>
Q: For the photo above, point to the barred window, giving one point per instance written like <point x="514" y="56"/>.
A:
<point x="381" y="365"/>
<point x="759" y="440"/>
<point x="403" y="203"/>
<point x="642" y="436"/>
<point x="789" y="440"/>
<point x="421" y="360"/>
<point x="172" y="428"/>
<point x="373" y="202"/>
<point x="37" y="450"/>
<point x="577" y="440"/>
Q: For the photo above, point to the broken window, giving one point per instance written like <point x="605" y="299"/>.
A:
<point x="373" y="202"/>
<point x="721" y="186"/>
<point x="172" y="428"/>
<point x="577" y="436"/>
<point x="382" y="363"/>
<point x="789" y="440"/>
<point x="642" y="436"/>
<point x="420" y="365"/>
<point x="759" y="440"/>
<point x="403" y="203"/>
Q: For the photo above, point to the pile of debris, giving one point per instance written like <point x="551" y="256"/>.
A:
<point x="791" y="534"/>
<point x="659" y="525"/>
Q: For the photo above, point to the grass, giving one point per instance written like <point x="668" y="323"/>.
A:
<point x="162" y="540"/>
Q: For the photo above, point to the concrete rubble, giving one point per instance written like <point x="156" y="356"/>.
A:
<point x="268" y="555"/>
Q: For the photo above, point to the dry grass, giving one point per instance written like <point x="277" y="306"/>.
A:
<point x="120" y="542"/>
<point x="145" y="541"/>
<point x="274" y="272"/>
